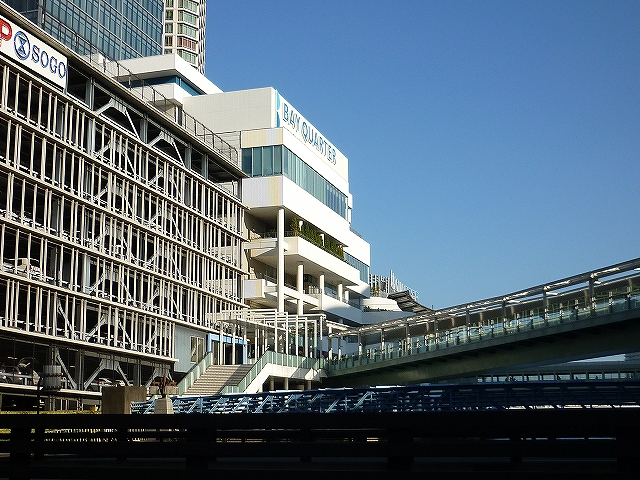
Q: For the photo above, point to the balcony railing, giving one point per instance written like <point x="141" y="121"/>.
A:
<point x="291" y="233"/>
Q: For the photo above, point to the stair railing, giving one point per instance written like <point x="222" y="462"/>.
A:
<point x="195" y="372"/>
<point x="275" y="358"/>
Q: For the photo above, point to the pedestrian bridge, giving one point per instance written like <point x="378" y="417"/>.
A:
<point x="593" y="314"/>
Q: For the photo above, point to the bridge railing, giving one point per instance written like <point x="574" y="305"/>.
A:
<point x="582" y="309"/>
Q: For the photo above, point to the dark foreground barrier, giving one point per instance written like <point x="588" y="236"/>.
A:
<point x="581" y="443"/>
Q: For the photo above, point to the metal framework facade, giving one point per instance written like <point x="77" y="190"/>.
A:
<point x="113" y="230"/>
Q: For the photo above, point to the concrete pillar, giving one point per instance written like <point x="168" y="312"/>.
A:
<point x="286" y="383"/>
<point x="233" y="344"/>
<point x="340" y="295"/>
<point x="163" y="406"/>
<point x="321" y="287"/>
<point x="316" y="348"/>
<point x="408" y="336"/>
<point x="300" y="287"/>
<point x="280" y="260"/>
<point x="286" y="335"/>
<point x="256" y="345"/>
<point x="265" y="342"/>
<point x="245" y="343"/>
<point x="467" y="324"/>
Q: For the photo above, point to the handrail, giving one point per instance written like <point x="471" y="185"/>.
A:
<point x="291" y="233"/>
<point x="194" y="373"/>
<point x="493" y="327"/>
<point x="275" y="358"/>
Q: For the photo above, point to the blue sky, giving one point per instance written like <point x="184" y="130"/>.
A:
<point x="492" y="145"/>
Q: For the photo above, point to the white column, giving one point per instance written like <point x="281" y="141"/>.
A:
<point x="256" y="345"/>
<point x="316" y="348"/>
<point x="340" y="292"/>
<point x="321" y="287"/>
<point x="280" y="260"/>
<point x="300" y="287"/>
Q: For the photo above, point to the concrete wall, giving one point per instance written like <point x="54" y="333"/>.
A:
<point x="118" y="400"/>
<point x="183" y="347"/>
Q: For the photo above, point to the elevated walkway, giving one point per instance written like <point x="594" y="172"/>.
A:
<point x="593" y="314"/>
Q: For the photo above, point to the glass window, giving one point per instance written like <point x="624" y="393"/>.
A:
<point x="188" y="56"/>
<point x="286" y="163"/>
<point x="187" y="17"/>
<point x="277" y="160"/>
<point x="197" y="349"/>
<point x="257" y="162"/>
<point x="246" y="160"/>
<point x="267" y="161"/>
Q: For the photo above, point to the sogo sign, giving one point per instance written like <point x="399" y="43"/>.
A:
<point x="32" y="53"/>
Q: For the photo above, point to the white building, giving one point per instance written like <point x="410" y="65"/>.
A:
<point x="301" y="255"/>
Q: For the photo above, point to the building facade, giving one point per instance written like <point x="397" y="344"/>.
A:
<point x="302" y="255"/>
<point x="117" y="29"/>
<point x="184" y="30"/>
<point x="120" y="221"/>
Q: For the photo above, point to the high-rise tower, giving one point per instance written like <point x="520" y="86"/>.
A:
<point x="184" y="30"/>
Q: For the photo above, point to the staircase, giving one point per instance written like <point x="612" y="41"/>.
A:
<point x="215" y="377"/>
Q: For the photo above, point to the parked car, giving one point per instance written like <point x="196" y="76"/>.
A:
<point x="96" y="386"/>
<point x="11" y="374"/>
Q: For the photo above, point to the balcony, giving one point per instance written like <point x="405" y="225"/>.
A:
<point x="315" y="258"/>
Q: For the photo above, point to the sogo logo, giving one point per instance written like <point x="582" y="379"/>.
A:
<point x="35" y="55"/>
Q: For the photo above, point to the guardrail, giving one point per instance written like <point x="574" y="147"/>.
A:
<point x="417" y="398"/>
<point x="538" y="318"/>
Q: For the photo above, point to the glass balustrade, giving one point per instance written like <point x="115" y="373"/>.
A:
<point x="605" y="303"/>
